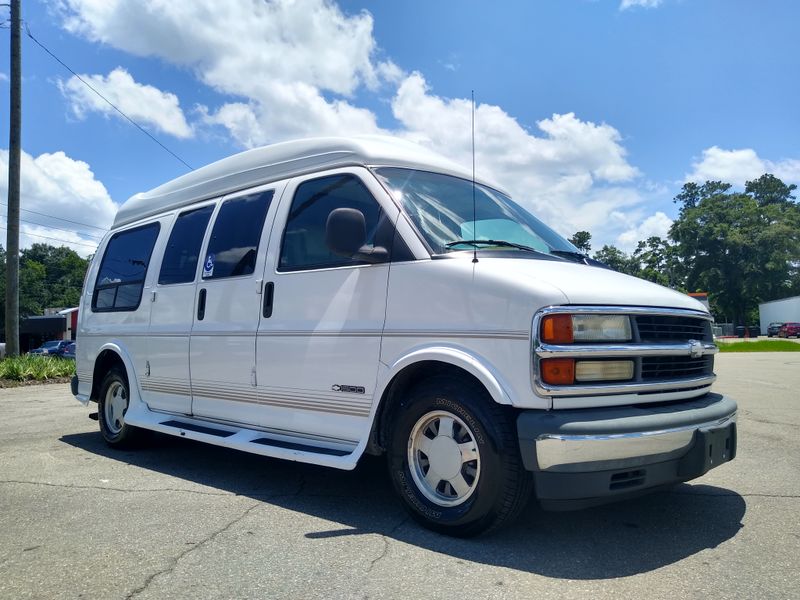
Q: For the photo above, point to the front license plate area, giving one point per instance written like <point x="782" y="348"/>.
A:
<point x="719" y="446"/>
<point x="711" y="448"/>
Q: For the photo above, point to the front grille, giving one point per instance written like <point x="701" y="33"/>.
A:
<point x="657" y="328"/>
<point x="672" y="351"/>
<point x="664" y="368"/>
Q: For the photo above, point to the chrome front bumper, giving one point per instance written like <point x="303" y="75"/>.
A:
<point x="559" y="452"/>
<point x="603" y="452"/>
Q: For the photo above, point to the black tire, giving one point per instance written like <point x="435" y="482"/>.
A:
<point x="113" y="428"/>
<point x="501" y="488"/>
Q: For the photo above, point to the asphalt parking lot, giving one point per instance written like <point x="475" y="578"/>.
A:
<point x="180" y="519"/>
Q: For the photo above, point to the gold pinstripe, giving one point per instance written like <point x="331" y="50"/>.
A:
<point x="279" y="397"/>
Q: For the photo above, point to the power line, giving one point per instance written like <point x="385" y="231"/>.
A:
<point x="59" y="229"/>
<point x="44" y="237"/>
<point x="111" y="104"/>
<point x="59" y="218"/>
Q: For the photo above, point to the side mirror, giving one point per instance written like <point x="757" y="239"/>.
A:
<point x="345" y="231"/>
<point x="346" y="235"/>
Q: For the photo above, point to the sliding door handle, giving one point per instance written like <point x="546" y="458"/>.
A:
<point x="201" y="305"/>
<point x="269" y="294"/>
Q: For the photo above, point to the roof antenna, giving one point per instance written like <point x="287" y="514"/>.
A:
<point x="474" y="210"/>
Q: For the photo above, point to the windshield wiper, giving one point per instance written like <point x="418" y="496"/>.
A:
<point x="571" y="255"/>
<point x="502" y="243"/>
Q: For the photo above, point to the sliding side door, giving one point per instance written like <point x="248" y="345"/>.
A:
<point x="227" y="307"/>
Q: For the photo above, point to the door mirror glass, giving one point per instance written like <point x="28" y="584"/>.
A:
<point x="345" y="231"/>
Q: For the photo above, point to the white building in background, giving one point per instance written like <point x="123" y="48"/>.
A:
<point x="783" y="311"/>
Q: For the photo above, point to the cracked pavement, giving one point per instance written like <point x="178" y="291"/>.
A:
<point x="178" y="519"/>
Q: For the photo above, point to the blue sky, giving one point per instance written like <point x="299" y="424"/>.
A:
<point x="592" y="113"/>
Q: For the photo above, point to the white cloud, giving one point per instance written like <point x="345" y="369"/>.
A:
<point x="571" y="174"/>
<point x="281" y="57"/>
<point x="451" y="63"/>
<point x="626" y="4"/>
<point x="568" y="174"/>
<point x="290" y="110"/>
<point x="739" y="166"/>
<point x="293" y="68"/>
<point x="3" y="76"/>
<point x="241" y="47"/>
<point x="62" y="188"/>
<point x="569" y="148"/>
<point x="657" y="224"/>
<point x="145" y="104"/>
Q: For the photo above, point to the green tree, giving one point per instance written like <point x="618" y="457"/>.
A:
<point x="33" y="292"/>
<point x="64" y="273"/>
<point x="768" y="190"/>
<point x="618" y="260"/>
<point x="692" y="193"/>
<point x="658" y="261"/>
<point x="49" y="277"/>
<point x="582" y="241"/>
<point x="743" y="248"/>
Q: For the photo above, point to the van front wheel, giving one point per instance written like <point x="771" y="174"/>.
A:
<point x="112" y="407"/>
<point x="454" y="459"/>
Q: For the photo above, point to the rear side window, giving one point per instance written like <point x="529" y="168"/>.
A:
<point x="233" y="246"/>
<point x="303" y="244"/>
<point x="183" y="248"/>
<point x="120" y="279"/>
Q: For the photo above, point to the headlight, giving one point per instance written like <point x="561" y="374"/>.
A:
<point x="566" y="329"/>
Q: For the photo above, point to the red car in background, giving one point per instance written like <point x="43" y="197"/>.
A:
<point x="789" y="330"/>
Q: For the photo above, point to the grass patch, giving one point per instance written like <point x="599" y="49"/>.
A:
<point x="35" y="368"/>
<point x="761" y="346"/>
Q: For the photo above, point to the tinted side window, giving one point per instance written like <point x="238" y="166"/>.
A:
<point x="303" y="244"/>
<point x="120" y="279"/>
<point x="234" y="240"/>
<point x="183" y="248"/>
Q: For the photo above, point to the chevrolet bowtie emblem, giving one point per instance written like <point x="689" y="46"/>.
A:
<point x="696" y="349"/>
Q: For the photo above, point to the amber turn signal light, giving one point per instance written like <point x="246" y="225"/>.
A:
<point x="557" y="329"/>
<point x="558" y="371"/>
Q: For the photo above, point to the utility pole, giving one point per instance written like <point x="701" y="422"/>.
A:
<point x="14" y="149"/>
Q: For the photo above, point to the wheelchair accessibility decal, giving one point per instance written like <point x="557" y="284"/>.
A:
<point x="208" y="266"/>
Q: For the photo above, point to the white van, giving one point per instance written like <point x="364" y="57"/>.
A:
<point x="322" y="299"/>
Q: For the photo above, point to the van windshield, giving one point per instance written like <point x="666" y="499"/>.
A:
<point x="441" y="208"/>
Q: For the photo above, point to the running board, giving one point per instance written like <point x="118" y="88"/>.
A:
<point x="287" y="447"/>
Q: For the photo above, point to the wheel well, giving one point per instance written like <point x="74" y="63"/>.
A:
<point x="104" y="363"/>
<point x="400" y="385"/>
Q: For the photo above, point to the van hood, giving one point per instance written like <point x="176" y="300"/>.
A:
<point x="584" y="284"/>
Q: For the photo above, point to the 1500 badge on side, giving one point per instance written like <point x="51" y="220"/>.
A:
<point x="348" y="389"/>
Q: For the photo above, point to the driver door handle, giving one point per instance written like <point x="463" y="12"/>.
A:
<point x="201" y="305"/>
<point x="269" y="294"/>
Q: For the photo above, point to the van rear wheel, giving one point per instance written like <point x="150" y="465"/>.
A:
<point x="112" y="407"/>
<point x="454" y="458"/>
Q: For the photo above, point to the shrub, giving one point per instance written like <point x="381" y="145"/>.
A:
<point x="35" y="368"/>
